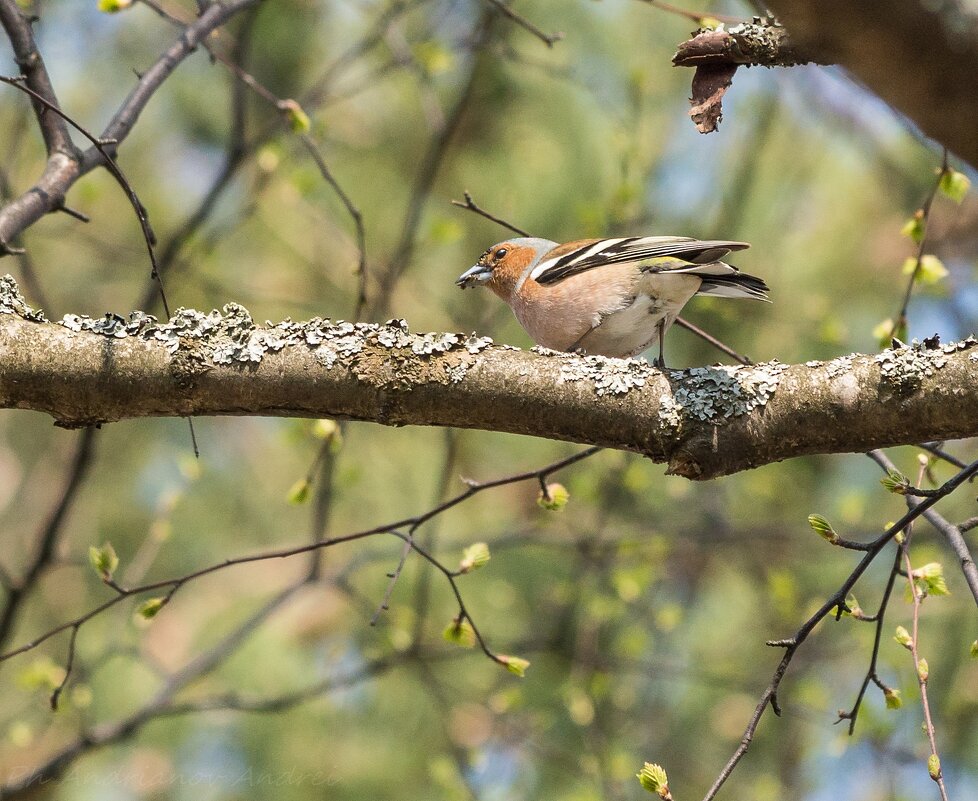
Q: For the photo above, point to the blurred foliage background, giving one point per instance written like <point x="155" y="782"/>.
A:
<point x="644" y="605"/>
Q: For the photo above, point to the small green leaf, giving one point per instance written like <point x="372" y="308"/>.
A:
<point x="654" y="779"/>
<point x="896" y="482"/>
<point x="934" y="766"/>
<point x="923" y="670"/>
<point x="41" y="674"/>
<point x="444" y="231"/>
<point x="434" y="58"/>
<point x="823" y="528"/>
<point x="885" y="331"/>
<point x="914" y="227"/>
<point x="955" y="185"/>
<point x="892" y="697"/>
<point x="555" y="498"/>
<point x="903" y="637"/>
<point x="475" y="556"/>
<point x="514" y="664"/>
<point x="930" y="579"/>
<point x="299" y="121"/>
<point x="854" y="608"/>
<point x="299" y="492"/>
<point x="113" y="6"/>
<point x="973" y="650"/>
<point x="325" y="429"/>
<point x="103" y="559"/>
<point x="931" y="270"/>
<point x="149" y="608"/>
<point x="461" y="633"/>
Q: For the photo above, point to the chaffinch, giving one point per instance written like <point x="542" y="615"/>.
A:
<point x="609" y="297"/>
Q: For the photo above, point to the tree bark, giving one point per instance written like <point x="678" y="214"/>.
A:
<point x="703" y="422"/>
<point x="921" y="57"/>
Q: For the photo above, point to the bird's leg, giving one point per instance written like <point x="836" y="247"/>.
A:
<point x="661" y="361"/>
<point x="576" y="348"/>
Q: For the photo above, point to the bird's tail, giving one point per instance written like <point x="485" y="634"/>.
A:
<point x="734" y="285"/>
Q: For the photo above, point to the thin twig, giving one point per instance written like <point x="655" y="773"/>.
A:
<point x="283" y="106"/>
<point x="172" y="585"/>
<point x="871" y="674"/>
<point x="356" y="216"/>
<point x="968" y="525"/>
<point x="47" y="537"/>
<point x="713" y="341"/>
<point x="69" y="664"/>
<point x="900" y="321"/>
<point x="470" y="205"/>
<point x="935" y="449"/>
<point x="64" y="169"/>
<point x="549" y="39"/>
<point x="791" y="644"/>
<point x="950" y="532"/>
<point x="424" y="179"/>
<point x="693" y="16"/>
<point x="917" y="597"/>
<point x="159" y="706"/>
<point x="110" y="163"/>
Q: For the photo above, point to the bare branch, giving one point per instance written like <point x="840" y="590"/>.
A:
<point x="63" y="169"/>
<point x="791" y="644"/>
<point x="18" y="29"/>
<point x="47" y="537"/>
<point x="424" y="179"/>
<point x="122" y="122"/>
<point x="549" y="39"/>
<point x="470" y="205"/>
<point x="953" y="534"/>
<point x="355" y="215"/>
<point x="172" y="585"/>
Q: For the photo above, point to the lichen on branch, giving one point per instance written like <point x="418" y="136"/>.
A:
<point x="703" y="422"/>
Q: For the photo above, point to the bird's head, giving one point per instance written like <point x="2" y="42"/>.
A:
<point x="505" y="265"/>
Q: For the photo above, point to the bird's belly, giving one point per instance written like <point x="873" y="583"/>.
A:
<point x="635" y="328"/>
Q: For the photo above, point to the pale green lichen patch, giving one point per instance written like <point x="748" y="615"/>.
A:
<point x="609" y="376"/>
<point x="704" y="393"/>
<point x="670" y="413"/>
<point x="231" y="336"/>
<point x="840" y="365"/>
<point x="12" y="302"/>
<point x="761" y="42"/>
<point x="905" y="368"/>
<point x="715" y="394"/>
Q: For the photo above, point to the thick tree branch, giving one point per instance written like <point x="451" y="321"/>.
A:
<point x="920" y="57"/>
<point x="750" y="43"/>
<point x="704" y="422"/>
<point x="716" y="55"/>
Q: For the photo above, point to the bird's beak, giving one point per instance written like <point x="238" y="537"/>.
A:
<point x="474" y="276"/>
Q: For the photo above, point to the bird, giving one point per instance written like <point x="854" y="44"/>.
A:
<point x="608" y="297"/>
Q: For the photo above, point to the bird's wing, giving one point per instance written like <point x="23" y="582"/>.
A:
<point x="673" y="250"/>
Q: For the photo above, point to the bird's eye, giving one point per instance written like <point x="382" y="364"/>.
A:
<point x="501" y="253"/>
